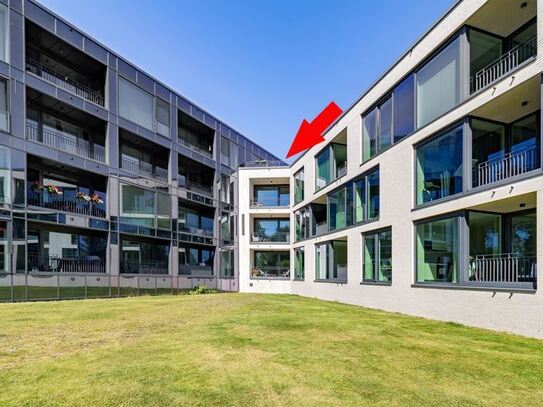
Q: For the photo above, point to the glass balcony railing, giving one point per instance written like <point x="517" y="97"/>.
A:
<point x="64" y="82"/>
<point x="65" y="142"/>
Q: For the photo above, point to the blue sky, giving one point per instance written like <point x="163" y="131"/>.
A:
<point x="262" y="65"/>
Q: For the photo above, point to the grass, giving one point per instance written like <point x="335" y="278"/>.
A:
<point x="254" y="350"/>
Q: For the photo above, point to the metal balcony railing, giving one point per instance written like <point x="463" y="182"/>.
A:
<point x="66" y="264"/>
<point x="198" y="148"/>
<point x="510" y="165"/>
<point x="183" y="182"/>
<point x="145" y="169"/>
<point x="144" y="267"/>
<point x="264" y="163"/>
<point x="278" y="237"/>
<point x="65" y="142"/>
<point x="44" y="199"/>
<point x="279" y="272"/>
<point x="503" y="268"/>
<point x="282" y="202"/>
<point x="504" y="65"/>
<point x="64" y="82"/>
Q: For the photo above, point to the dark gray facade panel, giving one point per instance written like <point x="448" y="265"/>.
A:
<point x="5" y="139"/>
<point x="197" y="113"/>
<point x="4" y="69"/>
<point x="96" y="110"/>
<point x="41" y="150"/>
<point x="40" y="85"/>
<point x="69" y="34"/>
<point x="15" y="4"/>
<point x="17" y="109"/>
<point x="71" y="160"/>
<point x="16" y="74"/>
<point x="128" y="71"/>
<point x="162" y="92"/>
<point x="210" y="121"/>
<point x="98" y="168"/>
<point x="95" y="50"/>
<point x="39" y="16"/>
<point x="146" y="82"/>
<point x="18" y="143"/>
<point x="183" y="105"/>
<point x="16" y="40"/>
<point x="71" y="99"/>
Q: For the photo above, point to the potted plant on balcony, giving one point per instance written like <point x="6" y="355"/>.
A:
<point x="95" y="199"/>
<point x="81" y="196"/>
<point x="53" y="189"/>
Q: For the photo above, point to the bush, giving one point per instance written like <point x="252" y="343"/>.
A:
<point x="201" y="289"/>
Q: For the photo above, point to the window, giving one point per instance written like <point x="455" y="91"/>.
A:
<point x="227" y="233"/>
<point x="337" y="210"/>
<point x="331" y="163"/>
<point x="438" y="251"/>
<point x="4" y="33"/>
<point x="271" y="195"/>
<point x="484" y="49"/>
<point x="138" y="206"/>
<point x="227" y="263"/>
<point x="404" y="108"/>
<point x="4" y="109"/>
<point x="271" y="264"/>
<point x="366" y="197"/>
<point x="377" y="252"/>
<point x="193" y="221"/>
<point x="164" y="208"/>
<point x="271" y="230"/>
<point x="303" y="223"/>
<point x="225" y="151"/>
<point x="299" y="264"/>
<point x="196" y="261"/>
<point x="299" y="186"/>
<point x="323" y="169"/>
<point x="162" y="118"/>
<point x="5" y="176"/>
<point x="439" y="167"/>
<point x="438" y="84"/>
<point x="331" y="261"/>
<point x="144" y="256"/>
<point x="135" y="104"/>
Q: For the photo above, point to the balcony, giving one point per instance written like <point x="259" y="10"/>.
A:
<point x="199" y="148"/>
<point x="144" y="267"/>
<point x="271" y="272"/>
<point x="195" y="270"/>
<point x="44" y="199"/>
<point x="183" y="182"/>
<point x="510" y="165"/>
<point x="195" y="135"/>
<point x="64" y="82"/>
<point x="270" y="196"/>
<point x="66" y="264"/>
<point x="144" y="169"/>
<point x="278" y="237"/>
<point x="505" y="268"/>
<point x="65" y="142"/>
<point x="504" y="65"/>
<point x="195" y="176"/>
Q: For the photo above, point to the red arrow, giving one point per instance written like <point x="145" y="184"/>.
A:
<point x="310" y="134"/>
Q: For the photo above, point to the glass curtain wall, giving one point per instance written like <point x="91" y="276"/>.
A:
<point x="163" y="118"/>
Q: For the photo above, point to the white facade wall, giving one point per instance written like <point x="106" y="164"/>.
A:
<point x="512" y="311"/>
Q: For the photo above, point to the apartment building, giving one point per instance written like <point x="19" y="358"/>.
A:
<point x="111" y="183"/>
<point x="426" y="197"/>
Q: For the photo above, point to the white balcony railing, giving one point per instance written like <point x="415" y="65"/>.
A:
<point x="502" y="268"/>
<point x="510" y="165"/>
<point x="504" y="65"/>
<point x="64" y="142"/>
<point x="64" y="82"/>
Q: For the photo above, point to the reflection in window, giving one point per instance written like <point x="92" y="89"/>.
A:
<point x="163" y="118"/>
<point x="299" y="264"/>
<point x="439" y="167"/>
<point x="299" y="186"/>
<point x="438" y="87"/>
<point x="271" y="195"/>
<point x="377" y="252"/>
<point x="135" y="104"/>
<point x="437" y="251"/>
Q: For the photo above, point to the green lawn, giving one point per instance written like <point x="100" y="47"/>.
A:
<point x="254" y="350"/>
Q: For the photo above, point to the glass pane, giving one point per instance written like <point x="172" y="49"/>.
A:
<point x="4" y="34"/>
<point x="438" y="87"/>
<point x="369" y="134"/>
<point x="135" y="104"/>
<point x="373" y="186"/>
<point x="385" y="124"/>
<point x="138" y="206"/>
<point x="337" y="210"/>
<point x="321" y="262"/>
<point x="524" y="234"/>
<point x="439" y="167"/>
<point x="484" y="49"/>
<point x="323" y="169"/>
<point x="163" y="117"/>
<point x="370" y="256"/>
<point x="385" y="256"/>
<point x="360" y="201"/>
<point x="164" y="204"/>
<point x="437" y="251"/>
<point x="484" y="234"/>
<point x="404" y="108"/>
<point x="299" y="186"/>
<point x="488" y="150"/>
<point x="524" y="144"/>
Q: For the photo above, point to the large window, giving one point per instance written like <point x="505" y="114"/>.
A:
<point x="143" y="207"/>
<point x="271" y="230"/>
<point x="227" y="263"/>
<point x="193" y="221"/>
<point x="389" y="121"/>
<point x="163" y="118"/>
<point x="271" y="264"/>
<point x="196" y="261"/>
<point x="438" y="84"/>
<point x="299" y="186"/>
<point x="438" y="251"/>
<point x="366" y="197"/>
<point x="377" y="252"/>
<point x="135" y="104"/>
<point x="439" y="167"/>
<point x="299" y="264"/>
<point x="4" y="33"/>
<point x="323" y="169"/>
<point x="337" y="209"/>
<point x="271" y="195"/>
<point x="144" y="256"/>
<point x="331" y="164"/>
<point x="331" y="261"/>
